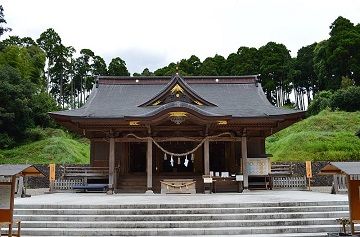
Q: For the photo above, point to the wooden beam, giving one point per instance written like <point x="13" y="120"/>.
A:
<point x="111" y="164"/>
<point x="206" y="158"/>
<point x="178" y="139"/>
<point x="149" y="164"/>
<point x="244" y="161"/>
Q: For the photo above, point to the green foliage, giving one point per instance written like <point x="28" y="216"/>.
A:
<point x="339" y="56"/>
<point x="305" y="76"/>
<point x="346" y="99"/>
<point x="274" y="67"/>
<point x="23" y="102"/>
<point x="321" y="101"/>
<point x="346" y="82"/>
<point x="117" y="67"/>
<point x="328" y="136"/>
<point x="3" y="29"/>
<point x="54" y="145"/>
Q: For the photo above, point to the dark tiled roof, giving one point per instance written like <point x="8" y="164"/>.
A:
<point x="231" y="96"/>
<point x="27" y="170"/>
<point x="350" y="168"/>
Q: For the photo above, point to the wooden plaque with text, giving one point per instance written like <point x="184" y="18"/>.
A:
<point x="7" y="200"/>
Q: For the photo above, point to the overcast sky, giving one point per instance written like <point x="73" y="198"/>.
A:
<point x="153" y="33"/>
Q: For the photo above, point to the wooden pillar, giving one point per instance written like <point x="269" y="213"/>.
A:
<point x="244" y="161"/>
<point x="206" y="158"/>
<point x="149" y="164"/>
<point x="111" y="165"/>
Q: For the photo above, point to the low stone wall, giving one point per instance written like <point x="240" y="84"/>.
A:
<point x="299" y="169"/>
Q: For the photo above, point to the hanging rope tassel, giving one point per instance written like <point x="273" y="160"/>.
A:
<point x="192" y="157"/>
<point x="165" y="156"/>
<point x="179" y="161"/>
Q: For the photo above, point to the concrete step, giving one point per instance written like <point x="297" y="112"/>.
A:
<point x="179" y="205"/>
<point x="220" y="219"/>
<point x="178" y="231"/>
<point x="178" y="224"/>
<point x="177" y="210"/>
<point x="184" y="217"/>
<point x="254" y="235"/>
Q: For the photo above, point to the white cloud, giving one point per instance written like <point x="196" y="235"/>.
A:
<point x="154" y="33"/>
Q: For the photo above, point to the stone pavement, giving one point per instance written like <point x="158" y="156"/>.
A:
<point x="258" y="196"/>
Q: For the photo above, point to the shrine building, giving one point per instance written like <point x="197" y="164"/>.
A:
<point x="150" y="129"/>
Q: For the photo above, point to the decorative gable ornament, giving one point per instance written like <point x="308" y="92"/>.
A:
<point x="177" y="90"/>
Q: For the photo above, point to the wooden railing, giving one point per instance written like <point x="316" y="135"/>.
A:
<point x="77" y="176"/>
<point x="67" y="184"/>
<point x="289" y="182"/>
<point x="282" y="169"/>
<point x="93" y="172"/>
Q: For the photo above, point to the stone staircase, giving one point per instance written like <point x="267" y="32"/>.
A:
<point x="245" y="219"/>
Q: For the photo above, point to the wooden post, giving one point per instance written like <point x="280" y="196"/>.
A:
<point x="111" y="165"/>
<point x="52" y="171"/>
<point x="244" y="161"/>
<point x="206" y="158"/>
<point x="308" y="173"/>
<point x="149" y="165"/>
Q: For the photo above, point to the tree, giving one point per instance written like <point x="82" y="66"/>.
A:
<point x="59" y="73"/>
<point x="275" y="61"/>
<point x="23" y="102"/>
<point x="99" y="66"/>
<point x="117" y="67"/>
<point x="213" y="66"/>
<point x="50" y="42"/>
<point x="305" y="79"/>
<point x="3" y="29"/>
<point x="86" y="67"/>
<point x="339" y="56"/>
<point x="16" y="40"/>
<point x="244" y="62"/>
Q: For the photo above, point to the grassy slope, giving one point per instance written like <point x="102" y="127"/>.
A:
<point x="327" y="136"/>
<point x="57" y="146"/>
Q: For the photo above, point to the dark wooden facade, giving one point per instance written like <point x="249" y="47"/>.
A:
<point x="132" y="121"/>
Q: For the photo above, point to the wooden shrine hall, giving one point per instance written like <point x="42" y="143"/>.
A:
<point x="151" y="130"/>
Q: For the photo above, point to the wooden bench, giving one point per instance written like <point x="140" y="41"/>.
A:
<point x="91" y="187"/>
<point x="10" y="228"/>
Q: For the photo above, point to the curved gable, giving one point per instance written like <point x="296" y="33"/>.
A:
<point x="177" y="90"/>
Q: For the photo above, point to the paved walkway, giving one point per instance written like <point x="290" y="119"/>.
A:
<point x="117" y="199"/>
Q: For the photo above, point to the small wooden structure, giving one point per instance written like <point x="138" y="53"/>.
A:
<point x="8" y="175"/>
<point x="352" y="172"/>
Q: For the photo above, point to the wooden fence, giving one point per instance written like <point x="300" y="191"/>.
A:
<point x="340" y="183"/>
<point x="66" y="184"/>
<point x="289" y="182"/>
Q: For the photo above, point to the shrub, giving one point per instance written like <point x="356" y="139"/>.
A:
<point x="346" y="99"/>
<point x="321" y="101"/>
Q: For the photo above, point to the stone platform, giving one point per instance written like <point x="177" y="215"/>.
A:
<point x="258" y="196"/>
<point x="254" y="213"/>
